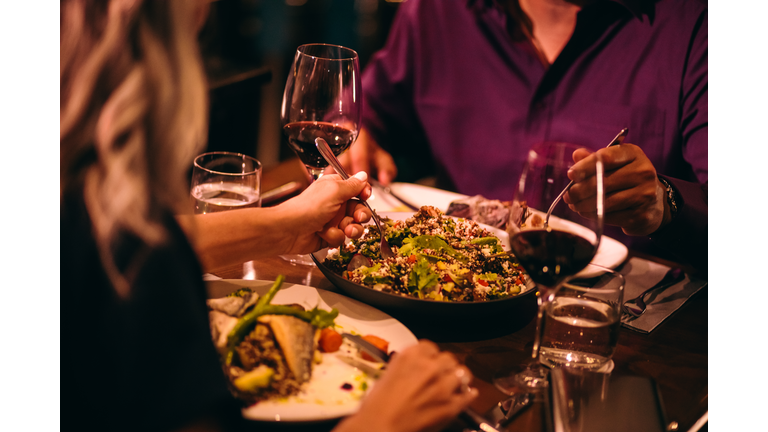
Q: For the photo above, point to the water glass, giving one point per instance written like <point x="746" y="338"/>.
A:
<point x="224" y="181"/>
<point x="581" y="323"/>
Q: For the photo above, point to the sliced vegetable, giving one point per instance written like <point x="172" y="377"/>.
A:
<point x="373" y="280"/>
<point x="330" y="340"/>
<point x="359" y="260"/>
<point x="242" y="292"/>
<point x="485" y="241"/>
<point x="396" y="237"/>
<point x="378" y="343"/>
<point x="259" y="377"/>
<point x="422" y="276"/>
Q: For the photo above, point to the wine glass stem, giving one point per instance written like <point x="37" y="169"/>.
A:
<point x="542" y="299"/>
<point x="315" y="173"/>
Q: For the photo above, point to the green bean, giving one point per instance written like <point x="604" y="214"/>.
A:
<point x="317" y="317"/>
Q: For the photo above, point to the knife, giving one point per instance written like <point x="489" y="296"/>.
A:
<point x="279" y="192"/>
<point x="468" y="415"/>
<point x="387" y="190"/>
<point x="367" y="347"/>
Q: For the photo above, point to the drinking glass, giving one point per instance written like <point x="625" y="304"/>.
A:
<point x="581" y="324"/>
<point x="224" y="181"/>
<point x="322" y="98"/>
<point x="550" y="254"/>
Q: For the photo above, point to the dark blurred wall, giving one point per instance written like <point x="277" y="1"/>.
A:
<point x="248" y="46"/>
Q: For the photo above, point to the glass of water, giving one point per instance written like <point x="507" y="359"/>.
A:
<point x="224" y="181"/>
<point x="581" y="323"/>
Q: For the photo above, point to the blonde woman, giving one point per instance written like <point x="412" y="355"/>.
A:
<point x="137" y="353"/>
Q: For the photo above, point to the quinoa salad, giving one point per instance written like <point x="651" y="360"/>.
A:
<point x="436" y="258"/>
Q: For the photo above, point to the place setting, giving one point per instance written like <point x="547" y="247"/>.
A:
<point x="579" y="302"/>
<point x="654" y="292"/>
<point x="572" y="286"/>
<point x="583" y="296"/>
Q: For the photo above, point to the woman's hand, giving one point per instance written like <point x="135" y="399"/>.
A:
<point x="321" y="216"/>
<point x="421" y="390"/>
<point x="325" y="213"/>
<point x="634" y="196"/>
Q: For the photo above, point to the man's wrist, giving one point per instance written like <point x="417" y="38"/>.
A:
<point x="671" y="194"/>
<point x="670" y="203"/>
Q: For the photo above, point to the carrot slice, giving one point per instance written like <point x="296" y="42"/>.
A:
<point x="378" y="343"/>
<point x="330" y="340"/>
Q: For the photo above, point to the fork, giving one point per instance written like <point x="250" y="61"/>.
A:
<point x="616" y="141"/>
<point x="325" y="150"/>
<point x="637" y="306"/>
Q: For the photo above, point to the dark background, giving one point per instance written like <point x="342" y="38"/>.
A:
<point x="248" y="46"/>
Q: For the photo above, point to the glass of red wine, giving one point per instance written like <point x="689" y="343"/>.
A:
<point x="322" y="98"/>
<point x="551" y="253"/>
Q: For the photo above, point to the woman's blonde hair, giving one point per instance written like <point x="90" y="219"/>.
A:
<point x="133" y="114"/>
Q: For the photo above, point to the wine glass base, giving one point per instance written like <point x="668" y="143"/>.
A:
<point x="526" y="378"/>
<point x="299" y="259"/>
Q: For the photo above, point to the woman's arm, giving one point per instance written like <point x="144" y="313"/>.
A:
<point x="319" y="217"/>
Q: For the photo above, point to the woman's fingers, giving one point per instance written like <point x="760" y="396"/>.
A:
<point x="351" y="225"/>
<point x="331" y="236"/>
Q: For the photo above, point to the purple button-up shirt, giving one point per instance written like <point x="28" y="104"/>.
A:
<point x="459" y="76"/>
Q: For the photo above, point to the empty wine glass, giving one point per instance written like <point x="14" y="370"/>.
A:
<point x="322" y="98"/>
<point x="553" y="253"/>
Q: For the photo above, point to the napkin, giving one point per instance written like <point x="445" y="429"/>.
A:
<point x="641" y="274"/>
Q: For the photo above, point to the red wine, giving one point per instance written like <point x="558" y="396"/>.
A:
<point x="301" y="138"/>
<point x="550" y="256"/>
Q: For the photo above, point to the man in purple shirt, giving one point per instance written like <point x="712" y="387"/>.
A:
<point x="475" y="83"/>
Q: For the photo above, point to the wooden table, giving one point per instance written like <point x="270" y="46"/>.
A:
<point x="674" y="354"/>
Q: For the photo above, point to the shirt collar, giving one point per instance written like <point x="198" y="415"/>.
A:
<point x="637" y="7"/>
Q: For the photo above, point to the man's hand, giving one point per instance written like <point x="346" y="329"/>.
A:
<point x="635" y="199"/>
<point x="366" y="155"/>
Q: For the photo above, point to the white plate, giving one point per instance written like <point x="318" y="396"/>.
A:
<point x="323" y="398"/>
<point x="611" y="252"/>
<point x="417" y="195"/>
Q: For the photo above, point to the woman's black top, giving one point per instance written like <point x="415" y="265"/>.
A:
<point x="145" y="362"/>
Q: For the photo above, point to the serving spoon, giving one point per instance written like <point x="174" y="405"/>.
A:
<point x="325" y="150"/>
<point x="616" y="141"/>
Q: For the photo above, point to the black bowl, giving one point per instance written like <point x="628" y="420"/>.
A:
<point x="505" y="315"/>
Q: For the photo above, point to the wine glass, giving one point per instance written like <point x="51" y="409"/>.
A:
<point x="322" y="98"/>
<point x="551" y="253"/>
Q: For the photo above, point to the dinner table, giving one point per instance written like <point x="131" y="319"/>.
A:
<point x="674" y="355"/>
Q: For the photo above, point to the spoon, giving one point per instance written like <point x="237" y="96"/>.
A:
<point x="325" y="150"/>
<point x="636" y="306"/>
<point x="616" y="141"/>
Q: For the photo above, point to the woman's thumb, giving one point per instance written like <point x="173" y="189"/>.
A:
<point x="356" y="185"/>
